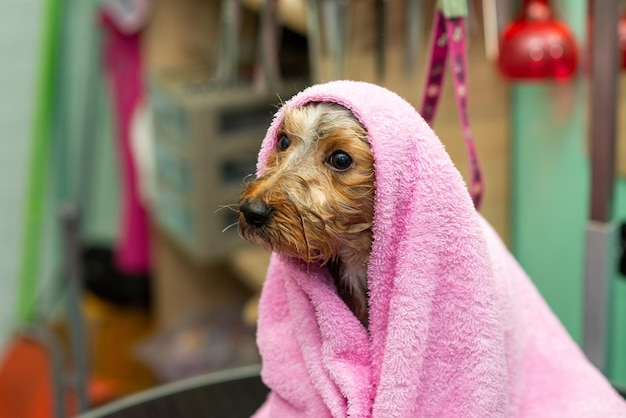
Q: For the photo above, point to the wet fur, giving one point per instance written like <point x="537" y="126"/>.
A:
<point x="319" y="214"/>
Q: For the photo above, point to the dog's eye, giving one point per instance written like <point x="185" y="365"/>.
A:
<point x="283" y="143"/>
<point x="340" y="161"/>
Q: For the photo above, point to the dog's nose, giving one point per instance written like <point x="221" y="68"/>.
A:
<point x="256" y="212"/>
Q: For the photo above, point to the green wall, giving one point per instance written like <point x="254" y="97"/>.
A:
<point x="617" y="365"/>
<point x="550" y="195"/>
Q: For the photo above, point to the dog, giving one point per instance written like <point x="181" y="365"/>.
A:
<point x="315" y="198"/>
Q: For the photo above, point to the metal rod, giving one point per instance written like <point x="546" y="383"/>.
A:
<point x="314" y="36"/>
<point x="600" y="263"/>
<point x="603" y="107"/>
<point x="381" y="43"/>
<point x="70" y="222"/>
<point x="270" y="40"/>
<point x="414" y="30"/>
<point x="55" y="354"/>
<point x="335" y="12"/>
<point x="230" y="22"/>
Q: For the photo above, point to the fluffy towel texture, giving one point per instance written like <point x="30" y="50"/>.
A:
<point x="456" y="327"/>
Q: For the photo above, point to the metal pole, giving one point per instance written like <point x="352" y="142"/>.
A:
<point x="70" y="222"/>
<point x="602" y="242"/>
<point x="603" y="107"/>
<point x="55" y="354"/>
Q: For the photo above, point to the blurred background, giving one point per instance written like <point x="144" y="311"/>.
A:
<point x="128" y="128"/>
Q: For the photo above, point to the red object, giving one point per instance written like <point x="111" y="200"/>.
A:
<point x="25" y="389"/>
<point x="537" y="47"/>
<point x="26" y="383"/>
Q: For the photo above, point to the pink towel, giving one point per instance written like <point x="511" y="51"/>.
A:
<point x="457" y="329"/>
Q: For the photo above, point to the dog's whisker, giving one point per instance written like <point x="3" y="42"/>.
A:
<point x="229" y="226"/>
<point x="247" y="179"/>
<point x="240" y="233"/>
<point x="231" y="206"/>
<point x="280" y="99"/>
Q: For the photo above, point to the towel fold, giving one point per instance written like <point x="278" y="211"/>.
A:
<point x="456" y="327"/>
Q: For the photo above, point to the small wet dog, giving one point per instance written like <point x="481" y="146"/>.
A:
<point x="315" y="199"/>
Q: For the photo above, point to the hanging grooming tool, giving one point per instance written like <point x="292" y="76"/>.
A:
<point x="228" y="63"/>
<point x="314" y="36"/>
<point x="449" y="41"/>
<point x="269" y="43"/>
<point x="335" y="12"/>
<point x="129" y="15"/>
<point x="490" y="29"/>
<point x="381" y="45"/>
<point x="537" y="46"/>
<point x="414" y="27"/>
<point x="504" y="13"/>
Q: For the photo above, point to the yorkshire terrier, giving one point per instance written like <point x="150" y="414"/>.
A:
<point x="315" y="199"/>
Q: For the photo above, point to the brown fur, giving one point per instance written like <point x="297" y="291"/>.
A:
<point x="318" y="213"/>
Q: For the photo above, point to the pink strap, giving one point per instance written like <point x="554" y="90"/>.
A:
<point x="449" y="40"/>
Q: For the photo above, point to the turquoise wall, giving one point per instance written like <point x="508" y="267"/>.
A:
<point x="550" y="195"/>
<point x="549" y="192"/>
<point x="617" y="358"/>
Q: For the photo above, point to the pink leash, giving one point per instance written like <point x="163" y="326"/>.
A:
<point x="448" y="40"/>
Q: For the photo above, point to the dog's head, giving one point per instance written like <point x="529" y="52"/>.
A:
<point x="316" y="193"/>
